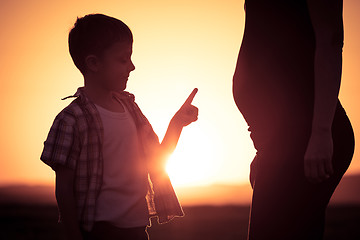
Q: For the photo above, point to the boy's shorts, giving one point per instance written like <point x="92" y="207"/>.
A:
<point x="107" y="231"/>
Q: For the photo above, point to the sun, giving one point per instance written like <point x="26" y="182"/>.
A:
<point x="193" y="162"/>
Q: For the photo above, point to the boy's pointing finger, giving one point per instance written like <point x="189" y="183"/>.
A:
<point x="191" y="97"/>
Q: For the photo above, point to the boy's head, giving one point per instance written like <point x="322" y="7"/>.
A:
<point x="93" y="34"/>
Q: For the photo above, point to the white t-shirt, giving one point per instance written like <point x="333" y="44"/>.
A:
<point x="122" y="198"/>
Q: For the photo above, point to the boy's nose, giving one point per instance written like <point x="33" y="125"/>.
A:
<point x="132" y="66"/>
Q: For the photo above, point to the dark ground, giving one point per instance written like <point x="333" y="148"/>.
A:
<point x="39" y="222"/>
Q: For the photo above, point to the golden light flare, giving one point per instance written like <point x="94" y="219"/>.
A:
<point x="194" y="162"/>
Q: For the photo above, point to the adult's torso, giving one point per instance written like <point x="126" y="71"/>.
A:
<point x="275" y="75"/>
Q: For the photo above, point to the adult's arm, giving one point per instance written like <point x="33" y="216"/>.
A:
<point x="326" y="17"/>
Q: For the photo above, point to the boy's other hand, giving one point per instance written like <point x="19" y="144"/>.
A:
<point x="187" y="113"/>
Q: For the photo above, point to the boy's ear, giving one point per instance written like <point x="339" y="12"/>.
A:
<point x="92" y="63"/>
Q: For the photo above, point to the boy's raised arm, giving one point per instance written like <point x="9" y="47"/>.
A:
<point x="66" y="202"/>
<point x="183" y="117"/>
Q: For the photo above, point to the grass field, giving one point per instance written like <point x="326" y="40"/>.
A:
<point x="39" y="222"/>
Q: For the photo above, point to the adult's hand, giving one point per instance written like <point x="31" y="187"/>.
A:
<point x="318" y="157"/>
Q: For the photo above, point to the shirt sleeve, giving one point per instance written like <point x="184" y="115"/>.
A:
<point x="59" y="147"/>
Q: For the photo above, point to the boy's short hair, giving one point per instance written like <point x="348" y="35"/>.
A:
<point x="93" y="34"/>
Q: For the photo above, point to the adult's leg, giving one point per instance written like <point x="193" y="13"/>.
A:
<point x="285" y="205"/>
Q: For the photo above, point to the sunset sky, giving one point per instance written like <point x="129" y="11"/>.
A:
<point x="178" y="45"/>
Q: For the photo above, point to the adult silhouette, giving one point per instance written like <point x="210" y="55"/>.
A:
<point x="286" y="86"/>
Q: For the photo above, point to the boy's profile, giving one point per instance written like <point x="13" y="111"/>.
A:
<point x="109" y="164"/>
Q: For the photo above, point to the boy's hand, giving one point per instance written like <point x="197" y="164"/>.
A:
<point x="187" y="113"/>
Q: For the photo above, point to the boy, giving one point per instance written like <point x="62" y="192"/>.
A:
<point x="109" y="164"/>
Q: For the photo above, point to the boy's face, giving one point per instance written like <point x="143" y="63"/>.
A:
<point x="115" y="66"/>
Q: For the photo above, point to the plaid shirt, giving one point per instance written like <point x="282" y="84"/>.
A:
<point x="75" y="141"/>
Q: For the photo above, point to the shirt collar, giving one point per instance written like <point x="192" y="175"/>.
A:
<point x="79" y="93"/>
<point x="120" y="95"/>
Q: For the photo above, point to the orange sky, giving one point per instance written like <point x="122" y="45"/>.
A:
<point x="178" y="45"/>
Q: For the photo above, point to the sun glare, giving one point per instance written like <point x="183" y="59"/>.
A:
<point x="193" y="162"/>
